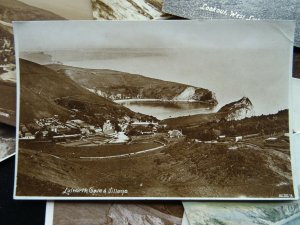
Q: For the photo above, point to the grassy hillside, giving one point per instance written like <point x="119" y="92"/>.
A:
<point x="8" y="95"/>
<point x="191" y="121"/>
<point x="8" y="102"/>
<point x="129" y="85"/>
<point x="45" y="93"/>
<point x="264" y="124"/>
<point x="210" y="126"/>
<point x="6" y="47"/>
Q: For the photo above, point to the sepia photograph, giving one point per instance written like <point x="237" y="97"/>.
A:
<point x="68" y="9"/>
<point x="24" y="10"/>
<point x="235" y="213"/>
<point x="7" y="141"/>
<point x="12" y="10"/>
<point x="168" y="110"/>
<point x="114" y="213"/>
<point x="128" y="9"/>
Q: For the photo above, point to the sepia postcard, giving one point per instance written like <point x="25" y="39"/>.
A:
<point x="235" y="213"/>
<point x="129" y="10"/>
<point x="114" y="213"/>
<point x="24" y="10"/>
<point x="68" y="9"/>
<point x="7" y="141"/>
<point x="237" y="9"/>
<point x="167" y="110"/>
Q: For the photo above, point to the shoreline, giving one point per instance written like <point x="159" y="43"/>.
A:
<point x="158" y="100"/>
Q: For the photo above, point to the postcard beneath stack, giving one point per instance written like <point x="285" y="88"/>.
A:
<point x="15" y="10"/>
<point x="154" y="110"/>
<point x="247" y="10"/>
<point x="128" y="212"/>
<point x="252" y="213"/>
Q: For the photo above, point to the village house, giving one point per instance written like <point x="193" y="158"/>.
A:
<point x="45" y="133"/>
<point x="222" y="138"/>
<point x="53" y="129"/>
<point x="123" y="125"/>
<point x="98" y="130"/>
<point x="108" y="128"/>
<point x="238" y="138"/>
<point x="27" y="136"/>
<point x="175" y="134"/>
<point x="23" y="128"/>
<point x="119" y="138"/>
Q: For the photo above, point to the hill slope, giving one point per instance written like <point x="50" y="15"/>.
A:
<point x="111" y="213"/>
<point x="6" y="47"/>
<point x="14" y="10"/>
<point x="120" y="85"/>
<point x="45" y="93"/>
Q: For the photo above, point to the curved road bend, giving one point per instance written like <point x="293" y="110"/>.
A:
<point x="126" y="155"/>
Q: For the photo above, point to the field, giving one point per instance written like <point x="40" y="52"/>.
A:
<point x="88" y="148"/>
<point x="182" y="167"/>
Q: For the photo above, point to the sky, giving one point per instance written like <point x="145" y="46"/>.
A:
<point x="233" y="58"/>
<point x="69" y="9"/>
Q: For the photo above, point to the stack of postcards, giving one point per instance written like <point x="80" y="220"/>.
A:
<point x="165" y="112"/>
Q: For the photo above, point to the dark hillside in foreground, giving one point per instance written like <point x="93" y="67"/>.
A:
<point x="45" y="93"/>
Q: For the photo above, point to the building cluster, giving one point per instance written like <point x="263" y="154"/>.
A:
<point x="53" y="128"/>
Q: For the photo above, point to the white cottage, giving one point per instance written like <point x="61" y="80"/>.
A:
<point x="108" y="128"/>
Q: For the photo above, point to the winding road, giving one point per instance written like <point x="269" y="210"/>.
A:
<point x="128" y="154"/>
<point x="117" y="156"/>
